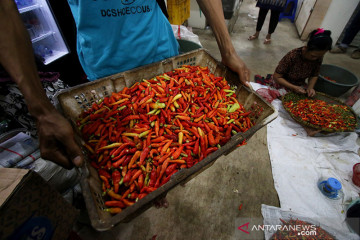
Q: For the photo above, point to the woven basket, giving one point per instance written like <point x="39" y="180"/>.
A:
<point x="319" y="96"/>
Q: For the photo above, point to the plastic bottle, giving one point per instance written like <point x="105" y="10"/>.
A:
<point x="331" y="188"/>
<point x="43" y="51"/>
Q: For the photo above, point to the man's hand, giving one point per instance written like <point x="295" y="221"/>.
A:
<point x="56" y="139"/>
<point x="236" y="64"/>
<point x="214" y="14"/>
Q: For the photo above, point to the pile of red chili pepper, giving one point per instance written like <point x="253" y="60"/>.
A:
<point x="139" y="137"/>
<point x="297" y="229"/>
<point x="322" y="114"/>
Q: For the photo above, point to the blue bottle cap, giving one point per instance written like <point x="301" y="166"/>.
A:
<point x="334" y="184"/>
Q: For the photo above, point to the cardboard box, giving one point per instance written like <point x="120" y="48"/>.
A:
<point x="31" y="209"/>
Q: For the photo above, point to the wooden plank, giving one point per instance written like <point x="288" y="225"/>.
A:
<point x="316" y="17"/>
<point x="304" y="15"/>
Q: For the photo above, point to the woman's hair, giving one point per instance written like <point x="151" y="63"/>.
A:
<point x="319" y="40"/>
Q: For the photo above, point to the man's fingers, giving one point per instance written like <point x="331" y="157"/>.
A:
<point x="245" y="77"/>
<point x="57" y="157"/>
<point x="74" y="152"/>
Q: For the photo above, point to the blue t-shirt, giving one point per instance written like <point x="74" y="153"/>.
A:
<point x="118" y="35"/>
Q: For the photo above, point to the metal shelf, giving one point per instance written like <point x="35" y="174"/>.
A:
<point x="29" y="8"/>
<point x="41" y="37"/>
<point x="56" y="55"/>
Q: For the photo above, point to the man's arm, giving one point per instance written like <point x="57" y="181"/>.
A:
<point x="56" y="136"/>
<point x="213" y="12"/>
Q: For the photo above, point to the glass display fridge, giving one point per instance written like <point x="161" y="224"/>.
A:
<point x="47" y="40"/>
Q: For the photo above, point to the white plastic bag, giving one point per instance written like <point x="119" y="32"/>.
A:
<point x="185" y="34"/>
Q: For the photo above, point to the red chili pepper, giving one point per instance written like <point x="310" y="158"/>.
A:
<point x="148" y="189"/>
<point x="135" y="176"/>
<point x="196" y="147"/>
<point x="105" y="181"/>
<point x="178" y="151"/>
<point x="127" y="177"/>
<point x="116" y="178"/>
<point x="163" y="169"/>
<point x="102" y="172"/>
<point x="165" y="147"/>
<point x="153" y="177"/>
<point x="141" y="181"/>
<point x="127" y="202"/>
<point x="143" y="155"/>
<point x="210" y="150"/>
<point x="119" y="204"/>
<point x="211" y="139"/>
<point x="119" y="162"/>
<point x="170" y="169"/>
<point x="134" y="158"/>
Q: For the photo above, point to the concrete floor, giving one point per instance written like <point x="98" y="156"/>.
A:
<point x="207" y="207"/>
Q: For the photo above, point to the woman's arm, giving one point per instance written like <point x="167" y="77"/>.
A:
<point x="213" y="12"/>
<point x="56" y="135"/>
<point x="279" y="78"/>
<point x="310" y="89"/>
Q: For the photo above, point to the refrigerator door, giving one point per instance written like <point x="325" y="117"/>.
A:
<point x="47" y="40"/>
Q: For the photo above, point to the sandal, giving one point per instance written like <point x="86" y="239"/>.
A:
<point x="267" y="41"/>
<point x="252" y="37"/>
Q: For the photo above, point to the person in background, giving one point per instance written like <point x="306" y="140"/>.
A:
<point x="349" y="36"/>
<point x="304" y="63"/>
<point x="56" y="136"/>
<point x="113" y="36"/>
<point x="275" y="7"/>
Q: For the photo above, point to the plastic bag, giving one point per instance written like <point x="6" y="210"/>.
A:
<point x="185" y="34"/>
<point x="17" y="148"/>
<point x="354" y="96"/>
<point x="272" y="216"/>
<point x="57" y="176"/>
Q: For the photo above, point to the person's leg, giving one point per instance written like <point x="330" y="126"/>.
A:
<point x="274" y="20"/>
<point x="349" y="35"/>
<point x="352" y="30"/>
<point x="261" y="19"/>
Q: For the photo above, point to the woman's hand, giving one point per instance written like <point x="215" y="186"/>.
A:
<point x="310" y="92"/>
<point x="56" y="139"/>
<point x="299" y="89"/>
<point x="236" y="64"/>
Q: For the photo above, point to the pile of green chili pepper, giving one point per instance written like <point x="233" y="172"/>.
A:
<point x="322" y="114"/>
<point x="139" y="137"/>
<point x="297" y="229"/>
